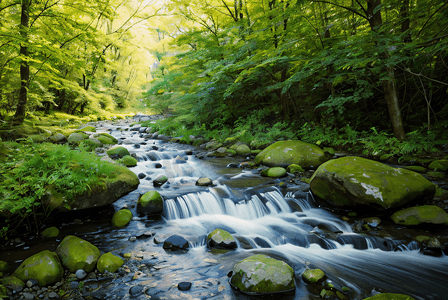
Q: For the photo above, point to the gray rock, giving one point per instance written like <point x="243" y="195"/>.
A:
<point x="81" y="274"/>
<point x="28" y="296"/>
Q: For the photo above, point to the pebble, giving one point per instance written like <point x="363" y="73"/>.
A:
<point x="136" y="290"/>
<point x="32" y="282"/>
<point x="81" y="274"/>
<point x="28" y="296"/>
<point x="184" y="286"/>
<point x="53" y="295"/>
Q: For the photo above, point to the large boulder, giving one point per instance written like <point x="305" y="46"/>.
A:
<point x="220" y="238"/>
<point x="150" y="203"/>
<point x="108" y="189"/>
<point x="76" y="253"/>
<point x="284" y="153"/>
<point x="45" y="267"/>
<point x="427" y="214"/>
<point x="261" y="274"/>
<point x="352" y="181"/>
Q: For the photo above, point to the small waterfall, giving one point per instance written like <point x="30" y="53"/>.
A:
<point x="252" y="207"/>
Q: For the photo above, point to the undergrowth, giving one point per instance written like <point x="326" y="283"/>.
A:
<point x="28" y="170"/>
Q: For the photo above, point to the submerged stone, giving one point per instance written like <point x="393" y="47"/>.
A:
<point x="109" y="262"/>
<point x="45" y="267"/>
<point x="428" y="214"/>
<point x="284" y="153"/>
<point x="76" y="253"/>
<point x="150" y="203"/>
<point x="220" y="238"/>
<point x="355" y="181"/>
<point x="121" y="218"/>
<point x="261" y="274"/>
<point x="176" y="242"/>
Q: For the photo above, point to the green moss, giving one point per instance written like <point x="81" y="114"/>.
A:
<point x="294" y="169"/>
<point x="275" y="172"/>
<point x="389" y="296"/>
<point x="313" y="275"/>
<point x="50" y="232"/>
<point x="76" y="253"/>
<point x="129" y="161"/>
<point x="118" y="152"/>
<point x="108" y="136"/>
<point x="44" y="266"/>
<point x="430" y="214"/>
<point x="109" y="262"/>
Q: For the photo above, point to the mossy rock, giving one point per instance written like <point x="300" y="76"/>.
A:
<point x="109" y="262"/>
<point x="105" y="140"/>
<point x="261" y="274"/>
<point x="275" y="172"/>
<point x="13" y="283"/>
<point x="88" y="128"/>
<point x="329" y="150"/>
<point x="58" y="138"/>
<point x="294" y="169"/>
<point x="93" y="143"/>
<point x="313" y="275"/>
<point x="204" y="181"/>
<point x="439" y="165"/>
<point x="110" y="137"/>
<point x="129" y="161"/>
<point x="428" y="214"/>
<point x="160" y="180"/>
<point x="76" y="253"/>
<point x="284" y="153"/>
<point x="118" y="152"/>
<point x="121" y="218"/>
<point x="221" y="239"/>
<point x="150" y="203"/>
<point x="4" y="266"/>
<point x="353" y="181"/>
<point x="45" y="267"/>
<point x="50" y="232"/>
<point x="37" y="138"/>
<point x="242" y="149"/>
<point x="390" y="296"/>
<point x="436" y="175"/>
<point x="76" y="138"/>
<point x="231" y="152"/>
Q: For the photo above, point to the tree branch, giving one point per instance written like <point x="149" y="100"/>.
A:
<point x="347" y="8"/>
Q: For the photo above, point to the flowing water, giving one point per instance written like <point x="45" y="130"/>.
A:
<point x="284" y="223"/>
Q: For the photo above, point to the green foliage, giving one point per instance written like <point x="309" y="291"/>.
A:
<point x="28" y="171"/>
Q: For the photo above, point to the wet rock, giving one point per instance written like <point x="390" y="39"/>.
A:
<point x="81" y="274"/>
<point x="241" y="149"/>
<point x="121" y="218"/>
<point x="45" y="267"/>
<point x="389" y="296"/>
<point x="294" y="169"/>
<point x="159" y="181"/>
<point x="313" y="275"/>
<point x="136" y="291"/>
<point x="275" y="172"/>
<point x="176" y="242"/>
<point x="150" y="203"/>
<point x="129" y="161"/>
<point x="109" y="262"/>
<point x="28" y="296"/>
<point x="118" y="152"/>
<point x="427" y="214"/>
<point x="354" y="181"/>
<point x="204" y="181"/>
<point x="233" y="165"/>
<point x="76" y="253"/>
<point x="157" y="165"/>
<point x="261" y="274"/>
<point x="50" y="232"/>
<point x="93" y="142"/>
<point x="284" y="153"/>
<point x="32" y="282"/>
<point x="220" y="238"/>
<point x="76" y="138"/>
<point x="184" y="286"/>
<point x="141" y="175"/>
<point x="13" y="283"/>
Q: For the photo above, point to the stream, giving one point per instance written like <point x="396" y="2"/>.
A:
<point x="284" y="223"/>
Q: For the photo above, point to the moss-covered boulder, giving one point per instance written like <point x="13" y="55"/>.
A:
<point x="275" y="172"/>
<point x="427" y="214"/>
<point x="129" y="161"/>
<point x="118" y="152"/>
<point x="150" y="203"/>
<point x="121" y="218"/>
<point x="221" y="239"/>
<point x="76" y="138"/>
<point x="13" y="283"/>
<point x="88" y="128"/>
<point x="261" y="274"/>
<point x="439" y="165"/>
<point x="284" y="153"/>
<point x="58" y="138"/>
<point x="109" y="262"/>
<point x="242" y="149"/>
<point x="108" y="136"/>
<point x="390" y="296"/>
<point x="313" y="275"/>
<point x="50" y="232"/>
<point x="109" y="188"/>
<point x="92" y="142"/>
<point x="354" y="181"/>
<point x="76" y="253"/>
<point x="45" y="267"/>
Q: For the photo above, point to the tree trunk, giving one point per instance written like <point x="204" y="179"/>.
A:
<point x="389" y="86"/>
<point x="24" y="67"/>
